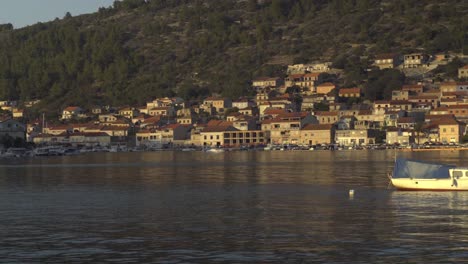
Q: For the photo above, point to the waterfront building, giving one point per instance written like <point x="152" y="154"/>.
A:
<point x="12" y="128"/>
<point x="285" y="128"/>
<point x="315" y="134"/>
<point x="355" y="137"/>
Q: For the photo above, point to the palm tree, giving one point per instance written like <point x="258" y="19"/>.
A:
<point x="418" y="128"/>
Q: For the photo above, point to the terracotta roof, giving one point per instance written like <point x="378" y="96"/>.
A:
<point x="326" y="84"/>
<point x="293" y="114"/>
<point x="385" y="56"/>
<point x="399" y="102"/>
<point x="295" y="76"/>
<point x="71" y="108"/>
<point x="218" y="123"/>
<point x="406" y="120"/>
<point x="349" y="90"/>
<point x="274" y="111"/>
<point x="365" y="112"/>
<point x="90" y="134"/>
<point x="312" y="74"/>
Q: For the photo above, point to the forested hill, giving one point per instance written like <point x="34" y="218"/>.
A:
<point x="139" y="49"/>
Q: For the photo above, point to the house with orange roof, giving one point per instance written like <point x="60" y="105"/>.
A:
<point x="325" y="88"/>
<point x="406" y="122"/>
<point x="250" y="111"/>
<point x="128" y="112"/>
<point x="57" y="129"/>
<point x="168" y="111"/>
<point x="49" y="138"/>
<point x="172" y="133"/>
<point x="285" y="128"/>
<point x="450" y="130"/>
<point x="243" y="103"/>
<point x="387" y="61"/>
<point x="459" y="111"/>
<point x="271" y="111"/>
<point x="327" y="117"/>
<point x="315" y="134"/>
<point x="71" y="112"/>
<point x="107" y="117"/>
<point x="413" y="89"/>
<point x="139" y="118"/>
<point x="365" y="115"/>
<point x="463" y="72"/>
<point x="225" y="134"/>
<point x="448" y="87"/>
<point x="350" y="92"/>
<point x="213" y="134"/>
<point x="115" y="131"/>
<point x="153" y="121"/>
<point x="245" y="123"/>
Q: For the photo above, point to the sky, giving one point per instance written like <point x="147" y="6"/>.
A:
<point x="22" y="13"/>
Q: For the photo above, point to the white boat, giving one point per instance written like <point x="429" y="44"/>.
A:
<point x="415" y="175"/>
<point x="215" y="150"/>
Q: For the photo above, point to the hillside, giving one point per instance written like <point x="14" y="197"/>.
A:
<point x="140" y="49"/>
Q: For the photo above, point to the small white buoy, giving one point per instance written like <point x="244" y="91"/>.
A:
<point x="351" y="193"/>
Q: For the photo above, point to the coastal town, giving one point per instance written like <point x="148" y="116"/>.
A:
<point x="306" y="108"/>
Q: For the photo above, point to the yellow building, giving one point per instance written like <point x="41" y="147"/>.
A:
<point x="450" y="130"/>
<point x="313" y="134"/>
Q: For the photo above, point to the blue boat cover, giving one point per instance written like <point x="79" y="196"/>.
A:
<point x="405" y="168"/>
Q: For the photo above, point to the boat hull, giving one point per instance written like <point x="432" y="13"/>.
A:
<point x="430" y="184"/>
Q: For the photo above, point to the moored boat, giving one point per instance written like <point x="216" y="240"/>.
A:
<point x="418" y="175"/>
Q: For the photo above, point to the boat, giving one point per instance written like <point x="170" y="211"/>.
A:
<point x="214" y="150"/>
<point x="414" y="175"/>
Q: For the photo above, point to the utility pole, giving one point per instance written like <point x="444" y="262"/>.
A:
<point x="43" y="123"/>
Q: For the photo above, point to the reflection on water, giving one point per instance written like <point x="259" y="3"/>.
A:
<point x="234" y="207"/>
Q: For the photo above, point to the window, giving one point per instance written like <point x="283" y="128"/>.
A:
<point x="457" y="174"/>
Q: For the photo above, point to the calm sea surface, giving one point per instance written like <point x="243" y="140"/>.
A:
<point x="233" y="207"/>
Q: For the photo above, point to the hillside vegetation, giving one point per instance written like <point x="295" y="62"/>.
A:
<point x="137" y="49"/>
